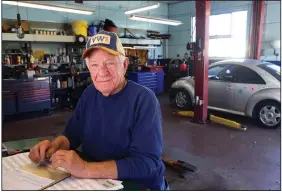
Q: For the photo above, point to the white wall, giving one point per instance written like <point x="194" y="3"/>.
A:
<point x="184" y="11"/>
<point x="113" y="10"/>
<point x="271" y="29"/>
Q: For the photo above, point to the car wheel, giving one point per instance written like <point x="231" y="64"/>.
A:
<point x="182" y="100"/>
<point x="269" y="114"/>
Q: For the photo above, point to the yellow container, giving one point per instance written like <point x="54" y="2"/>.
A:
<point x="80" y="28"/>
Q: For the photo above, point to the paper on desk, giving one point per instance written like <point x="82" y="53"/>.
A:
<point x="20" y="180"/>
<point x="71" y="183"/>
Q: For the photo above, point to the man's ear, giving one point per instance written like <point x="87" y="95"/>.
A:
<point x="86" y="61"/>
<point x="125" y="64"/>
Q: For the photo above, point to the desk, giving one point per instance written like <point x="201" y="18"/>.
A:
<point x="127" y="184"/>
<point x="29" y="143"/>
<point x="24" y="144"/>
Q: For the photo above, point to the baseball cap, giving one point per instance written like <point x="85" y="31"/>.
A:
<point x="105" y="40"/>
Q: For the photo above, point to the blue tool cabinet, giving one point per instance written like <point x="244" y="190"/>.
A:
<point x="20" y="96"/>
<point x="151" y="80"/>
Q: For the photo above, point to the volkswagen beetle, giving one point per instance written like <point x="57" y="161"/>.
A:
<point x="240" y="86"/>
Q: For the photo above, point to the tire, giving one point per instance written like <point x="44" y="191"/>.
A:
<point x="268" y="114"/>
<point x="182" y="100"/>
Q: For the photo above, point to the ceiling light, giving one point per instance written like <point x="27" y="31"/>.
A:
<point x="155" y="20"/>
<point x="48" y="7"/>
<point x="142" y="9"/>
<point x="144" y="47"/>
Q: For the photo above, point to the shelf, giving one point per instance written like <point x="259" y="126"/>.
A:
<point x="54" y="74"/>
<point x="84" y="72"/>
<point x="129" y="41"/>
<point x="14" y="53"/>
<point x="38" y="38"/>
<point x="71" y="39"/>
<point x="13" y="65"/>
<point x="59" y="89"/>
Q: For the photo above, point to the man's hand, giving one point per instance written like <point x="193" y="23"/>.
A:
<point x="70" y="161"/>
<point x="42" y="150"/>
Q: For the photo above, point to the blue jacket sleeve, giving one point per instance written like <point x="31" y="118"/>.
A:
<point x="74" y="129"/>
<point x="144" y="159"/>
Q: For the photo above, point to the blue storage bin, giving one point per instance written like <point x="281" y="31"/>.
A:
<point x="151" y="80"/>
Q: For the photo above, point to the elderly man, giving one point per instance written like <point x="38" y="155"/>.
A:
<point x="117" y="123"/>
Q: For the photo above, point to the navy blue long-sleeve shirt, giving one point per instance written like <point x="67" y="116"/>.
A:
<point x="125" y="127"/>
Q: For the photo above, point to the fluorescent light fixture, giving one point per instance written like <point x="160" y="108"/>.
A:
<point x="144" y="47"/>
<point x="155" y="20"/>
<point x="146" y="8"/>
<point x="126" y="47"/>
<point x="47" y="7"/>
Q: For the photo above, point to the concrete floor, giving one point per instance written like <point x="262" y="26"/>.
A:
<point x="227" y="159"/>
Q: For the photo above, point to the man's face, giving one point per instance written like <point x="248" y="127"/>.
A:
<point x="107" y="71"/>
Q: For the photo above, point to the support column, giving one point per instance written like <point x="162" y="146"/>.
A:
<point x="256" y="29"/>
<point x="201" y="61"/>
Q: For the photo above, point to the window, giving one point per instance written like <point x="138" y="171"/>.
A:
<point x="241" y="74"/>
<point x="213" y="71"/>
<point x="272" y="69"/>
<point x="227" y="34"/>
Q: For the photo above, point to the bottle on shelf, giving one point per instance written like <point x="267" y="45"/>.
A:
<point x="155" y="62"/>
<point x="58" y="83"/>
<point x="69" y="82"/>
<point x="11" y="60"/>
<point x="7" y="60"/>
<point x="18" y="59"/>
<point x="73" y="84"/>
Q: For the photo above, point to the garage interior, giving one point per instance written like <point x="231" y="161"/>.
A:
<point x="193" y="37"/>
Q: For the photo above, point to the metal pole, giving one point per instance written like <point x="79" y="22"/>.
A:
<point x="256" y="29"/>
<point x="201" y="62"/>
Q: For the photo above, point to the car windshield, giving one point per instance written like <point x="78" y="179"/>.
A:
<point x="272" y="69"/>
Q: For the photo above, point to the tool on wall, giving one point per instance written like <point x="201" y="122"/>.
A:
<point x="20" y="31"/>
<point x="177" y="66"/>
<point x="275" y="44"/>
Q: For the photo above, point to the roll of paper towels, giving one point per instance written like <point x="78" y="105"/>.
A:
<point x="30" y="73"/>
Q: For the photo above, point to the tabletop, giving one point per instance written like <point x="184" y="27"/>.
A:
<point x="26" y="144"/>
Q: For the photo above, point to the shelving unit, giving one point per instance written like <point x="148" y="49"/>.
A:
<point x="14" y="53"/>
<point x="82" y="78"/>
<point x="38" y="38"/>
<point x="71" y="39"/>
<point x="14" y="65"/>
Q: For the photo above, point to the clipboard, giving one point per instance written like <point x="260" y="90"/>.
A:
<point x="46" y="172"/>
